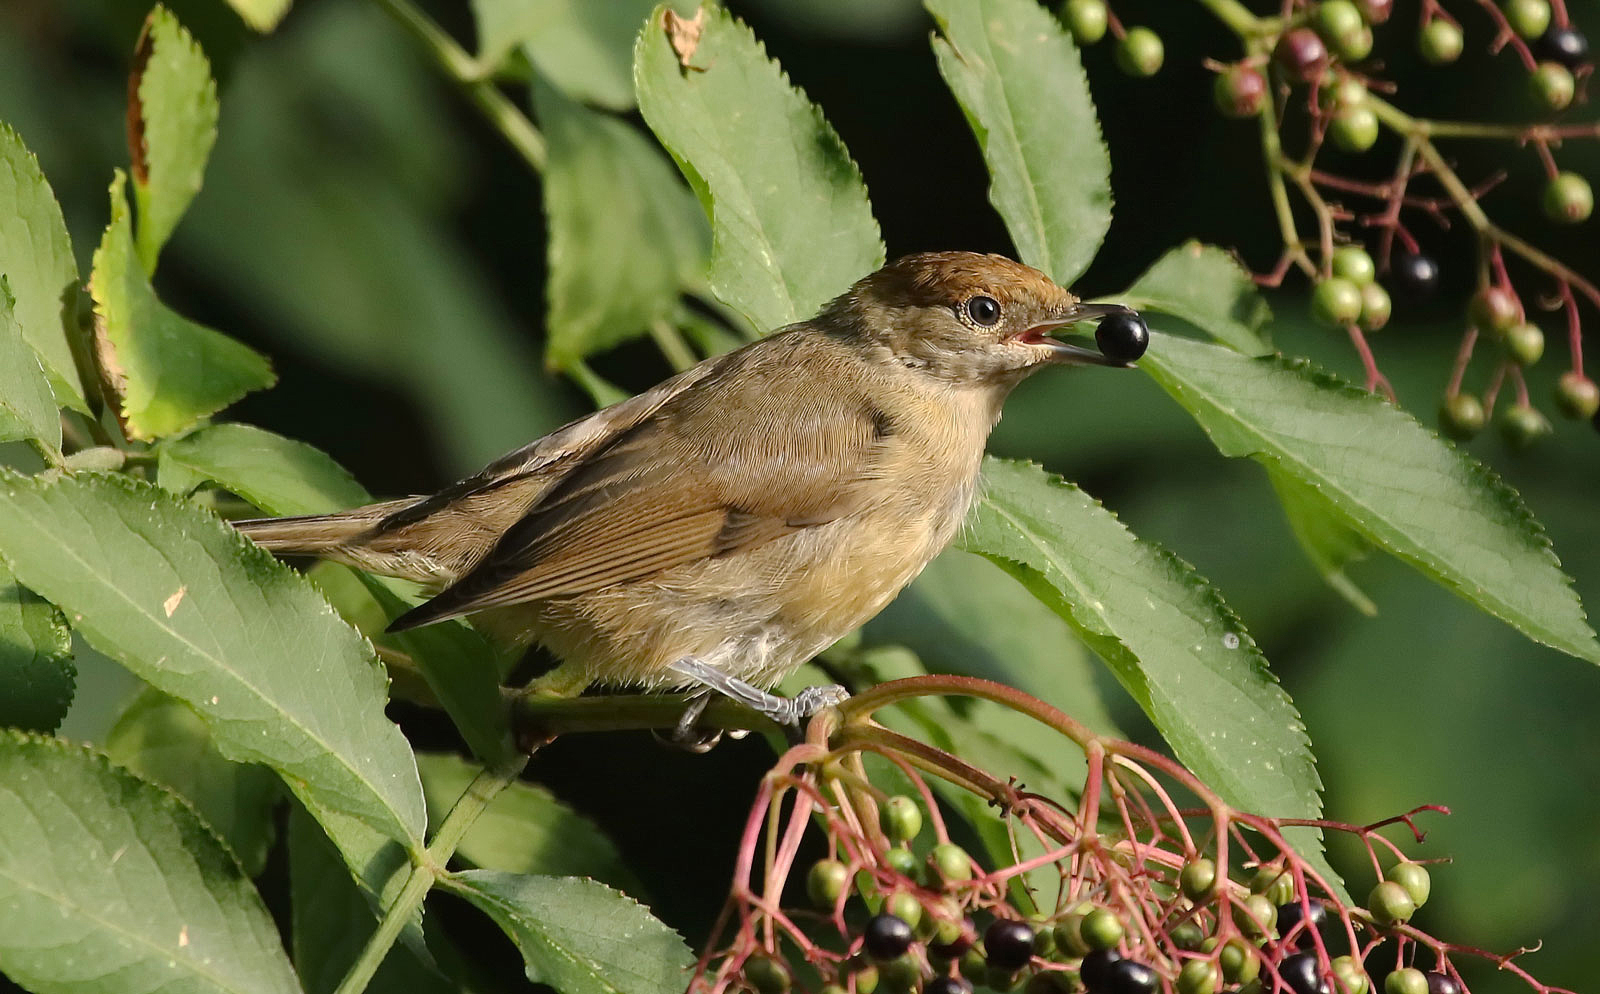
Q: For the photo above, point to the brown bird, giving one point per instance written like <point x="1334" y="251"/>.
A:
<point x="719" y="530"/>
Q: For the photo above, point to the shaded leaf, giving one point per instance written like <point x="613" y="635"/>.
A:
<point x="1329" y="543"/>
<point x="262" y="15"/>
<point x="36" y="259"/>
<point x="585" y="48"/>
<point x="791" y="225"/>
<point x="27" y="407"/>
<point x="1161" y="628"/>
<point x="277" y="474"/>
<point x="37" y="678"/>
<point x="172" y="124"/>
<point x="163" y="371"/>
<point x="196" y="610"/>
<point x="625" y="235"/>
<point x="1376" y="470"/>
<point x="579" y="936"/>
<point x="1207" y="287"/>
<point x="1016" y="73"/>
<point x="109" y="884"/>
<point x="525" y="829"/>
<point x="162" y="740"/>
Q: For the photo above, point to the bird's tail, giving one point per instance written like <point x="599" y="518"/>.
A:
<point x="318" y="534"/>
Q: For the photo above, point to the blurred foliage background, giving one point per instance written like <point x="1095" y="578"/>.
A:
<point x="361" y="225"/>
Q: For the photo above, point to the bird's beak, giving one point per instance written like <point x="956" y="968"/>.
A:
<point x="1075" y="355"/>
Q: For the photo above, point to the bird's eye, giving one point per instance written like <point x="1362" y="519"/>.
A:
<point x="983" y="310"/>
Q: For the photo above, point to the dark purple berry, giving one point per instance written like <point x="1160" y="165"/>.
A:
<point x="947" y="985"/>
<point x="1289" y="917"/>
<point x="1123" y="336"/>
<point x="1131" y="977"/>
<point x="1096" y="970"/>
<point x="1302" y="54"/>
<point x="1008" y="944"/>
<point x="1417" y="274"/>
<point x="1442" y="983"/>
<point x="886" y="937"/>
<point x="1565" y="45"/>
<point x="1301" y="974"/>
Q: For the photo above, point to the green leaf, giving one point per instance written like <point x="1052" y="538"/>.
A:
<point x="579" y="936"/>
<point x="791" y="225"/>
<point x="625" y="235"/>
<point x="277" y="474"/>
<point x="37" y="678"/>
<point x="27" y="407"/>
<point x="164" y="371"/>
<point x="1376" y="470"/>
<point x="36" y="259"/>
<point x="1163" y="630"/>
<point x="172" y="124"/>
<point x="1328" y="542"/>
<point x="525" y="829"/>
<point x="585" y="48"/>
<point x="1016" y="74"/>
<point x="330" y="921"/>
<point x="196" y="610"/>
<point x="261" y="15"/>
<point x="1207" y="287"/>
<point x="109" y="885"/>
<point x="162" y="740"/>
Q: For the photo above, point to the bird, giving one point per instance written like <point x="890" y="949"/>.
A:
<point x="717" y="531"/>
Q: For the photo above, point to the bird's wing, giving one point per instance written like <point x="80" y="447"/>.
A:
<point x="746" y="457"/>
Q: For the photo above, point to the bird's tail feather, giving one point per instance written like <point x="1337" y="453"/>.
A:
<point x="317" y="534"/>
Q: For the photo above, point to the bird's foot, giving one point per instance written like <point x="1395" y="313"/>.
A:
<point x="789" y="712"/>
<point x="685" y="735"/>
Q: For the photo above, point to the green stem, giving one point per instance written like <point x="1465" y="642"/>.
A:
<point x="427" y="872"/>
<point x="466" y="73"/>
<point x="1272" y="156"/>
<point x="539" y="717"/>
<point x="672" y="345"/>
<point x="600" y="390"/>
<point x="1238" y="18"/>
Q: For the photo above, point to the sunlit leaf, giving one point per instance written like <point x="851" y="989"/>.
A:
<point x="111" y="885"/>
<point x="1016" y="73"/>
<point x="277" y="474"/>
<point x="584" y="47"/>
<point x="27" y="407"/>
<point x="262" y="15"/>
<point x="1206" y="287"/>
<point x="791" y="225"/>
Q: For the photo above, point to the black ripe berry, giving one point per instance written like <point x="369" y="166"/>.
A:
<point x="886" y="937"/>
<point x="1301" y="974"/>
<point x="1096" y="970"/>
<point x="1290" y="915"/>
<point x="1566" y="45"/>
<point x="1442" y="983"/>
<point x="1130" y="977"/>
<point x="1417" y="274"/>
<point x="1008" y="944"/>
<point x="1122" y="336"/>
<point x="947" y="985"/>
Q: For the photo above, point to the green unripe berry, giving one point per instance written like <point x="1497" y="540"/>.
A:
<point x="1335" y="302"/>
<point x="1000" y="980"/>
<point x="901" y="818"/>
<point x="1440" y="42"/>
<point x="904" y="907"/>
<point x="1407" y="981"/>
<point x="974" y="966"/>
<point x="1239" y="91"/>
<point x="1525" y="345"/>
<point x="1577" y="395"/>
<point x="1461" y="417"/>
<point x="866" y="979"/>
<point x="1568" y="199"/>
<point x="1494" y="311"/>
<point x="1390" y="904"/>
<point x="1376" y="307"/>
<point x="1355" y="130"/>
<point x="1528" y="18"/>
<point x="766" y="976"/>
<point x="1187" y="936"/>
<point x="1342" y="92"/>
<point x="826" y="882"/>
<point x="1069" y="935"/>
<point x="1086" y="19"/>
<point x="1336" y="18"/>
<point x="1140" y="53"/>
<point x="833" y="989"/>
<point x="1198" y="976"/>
<point x="1257" y="915"/>
<point x="1354" y="46"/>
<point x="1349" y="972"/>
<point x="1051" y="982"/>
<point x="1101" y="929"/>
<point x="901" y="860"/>
<point x="1239" y="961"/>
<point x="1351" y="262"/>
<point x="1522" y="426"/>
<point x="949" y="863"/>
<point x="1552" y="86"/>
<point x="1275" y="882"/>
<point x="1198" y="879"/>
<point x="901" y="975"/>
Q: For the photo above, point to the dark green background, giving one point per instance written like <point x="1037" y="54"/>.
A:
<point x="362" y="226"/>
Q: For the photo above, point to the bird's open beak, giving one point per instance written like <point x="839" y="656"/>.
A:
<point x="1075" y="355"/>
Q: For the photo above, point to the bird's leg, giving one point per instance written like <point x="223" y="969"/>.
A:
<point x="685" y="735"/>
<point x="788" y="711"/>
